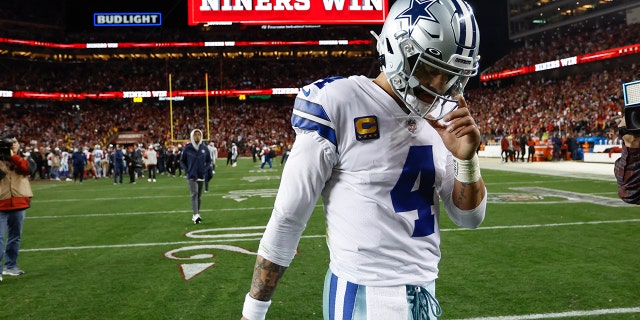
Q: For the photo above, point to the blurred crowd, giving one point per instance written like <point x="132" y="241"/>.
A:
<point x="564" y="43"/>
<point x="98" y="123"/>
<point x="186" y="74"/>
<point x="582" y="104"/>
<point x="586" y="103"/>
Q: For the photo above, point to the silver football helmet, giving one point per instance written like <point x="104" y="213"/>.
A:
<point x="429" y="48"/>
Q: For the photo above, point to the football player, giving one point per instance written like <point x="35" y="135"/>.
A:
<point x="383" y="153"/>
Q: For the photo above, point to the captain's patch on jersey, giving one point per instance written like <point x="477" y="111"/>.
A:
<point x="366" y="128"/>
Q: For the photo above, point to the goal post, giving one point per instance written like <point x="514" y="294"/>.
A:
<point x="172" y="125"/>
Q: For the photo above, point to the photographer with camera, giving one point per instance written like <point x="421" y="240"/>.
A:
<point x="627" y="168"/>
<point x="15" y="198"/>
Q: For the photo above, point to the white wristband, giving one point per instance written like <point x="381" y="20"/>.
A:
<point x="467" y="171"/>
<point x="254" y="309"/>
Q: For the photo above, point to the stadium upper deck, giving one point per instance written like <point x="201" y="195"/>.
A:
<point x="530" y="17"/>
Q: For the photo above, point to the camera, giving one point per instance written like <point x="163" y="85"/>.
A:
<point x="6" y="143"/>
<point x="632" y="119"/>
<point x="631" y="92"/>
<point x="5" y="148"/>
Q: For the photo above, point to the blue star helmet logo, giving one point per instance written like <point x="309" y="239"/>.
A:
<point x="418" y="10"/>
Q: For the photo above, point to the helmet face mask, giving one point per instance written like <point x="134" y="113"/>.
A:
<point x="428" y="51"/>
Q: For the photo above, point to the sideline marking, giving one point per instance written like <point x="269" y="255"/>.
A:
<point x="562" y="314"/>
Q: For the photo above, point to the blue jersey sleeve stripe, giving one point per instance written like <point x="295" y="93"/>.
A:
<point x="306" y="124"/>
<point x="311" y="108"/>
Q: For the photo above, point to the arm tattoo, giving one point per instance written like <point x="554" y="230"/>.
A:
<point x="461" y="196"/>
<point x="266" y="276"/>
<point x="467" y="196"/>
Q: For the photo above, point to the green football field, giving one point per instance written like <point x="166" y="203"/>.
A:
<point x="550" y="247"/>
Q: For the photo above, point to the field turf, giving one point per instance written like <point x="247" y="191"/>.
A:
<point x="550" y="247"/>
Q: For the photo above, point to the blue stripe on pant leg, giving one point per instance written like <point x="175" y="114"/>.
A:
<point x="352" y="299"/>
<point x="349" y="301"/>
<point x="329" y="296"/>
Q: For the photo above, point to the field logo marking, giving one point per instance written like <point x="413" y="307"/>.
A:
<point x="260" y="178"/>
<point x="575" y="196"/>
<point x="500" y="197"/>
<point x="190" y="270"/>
<point x="241" y="195"/>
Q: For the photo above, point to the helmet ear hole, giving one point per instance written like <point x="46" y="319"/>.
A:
<point x="381" y="60"/>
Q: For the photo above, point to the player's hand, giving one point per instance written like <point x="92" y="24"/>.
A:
<point x="459" y="131"/>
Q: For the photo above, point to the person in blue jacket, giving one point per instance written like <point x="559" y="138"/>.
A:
<point x="195" y="160"/>
<point x="79" y="161"/>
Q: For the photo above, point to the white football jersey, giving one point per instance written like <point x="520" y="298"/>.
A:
<point x="64" y="156"/>
<point x="381" y="175"/>
<point x="97" y="155"/>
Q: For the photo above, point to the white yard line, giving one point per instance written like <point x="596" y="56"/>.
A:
<point x="562" y="314"/>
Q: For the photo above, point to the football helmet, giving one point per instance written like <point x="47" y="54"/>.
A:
<point x="429" y="48"/>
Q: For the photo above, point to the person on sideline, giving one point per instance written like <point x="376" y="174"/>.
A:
<point x="522" y="143"/>
<point x="265" y="156"/>
<point x="79" y="161"/>
<point x="129" y="159"/>
<point x="138" y="160"/>
<point x="532" y="148"/>
<point x="151" y="160"/>
<point x="195" y="160"/>
<point x="229" y="155"/>
<point x="285" y="154"/>
<point x="234" y="154"/>
<point x="64" y="164"/>
<point x="15" y="199"/>
<point x="627" y="167"/>
<point x="118" y="164"/>
<point x="98" y="157"/>
<point x="213" y="151"/>
<point x="383" y="154"/>
<point x="54" y="157"/>
<point x="504" y="147"/>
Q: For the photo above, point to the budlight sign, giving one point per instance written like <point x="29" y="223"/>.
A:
<point x="126" y="19"/>
<point x="280" y="12"/>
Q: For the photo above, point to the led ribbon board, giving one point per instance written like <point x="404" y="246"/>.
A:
<point x="282" y="12"/>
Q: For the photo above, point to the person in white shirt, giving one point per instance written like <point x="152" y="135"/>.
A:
<point x="383" y="154"/>
<point x="151" y="161"/>
<point x="64" y="164"/>
<point x="213" y="151"/>
<point x="265" y="156"/>
<point x="234" y="154"/>
<point x="98" y="156"/>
